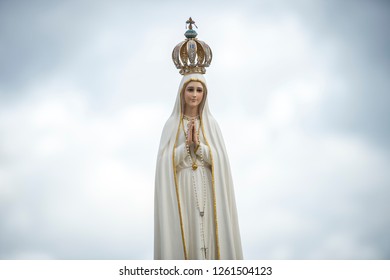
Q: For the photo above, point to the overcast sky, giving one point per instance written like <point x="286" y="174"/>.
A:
<point x="299" y="88"/>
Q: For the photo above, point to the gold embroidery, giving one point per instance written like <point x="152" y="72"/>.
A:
<point x="177" y="193"/>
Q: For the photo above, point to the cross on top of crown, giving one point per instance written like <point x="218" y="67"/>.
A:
<point x="190" y="22"/>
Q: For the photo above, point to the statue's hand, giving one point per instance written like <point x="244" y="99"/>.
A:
<point x="195" y="135"/>
<point x="195" y="138"/>
<point x="189" y="133"/>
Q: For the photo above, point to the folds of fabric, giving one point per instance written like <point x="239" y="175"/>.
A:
<point x="170" y="239"/>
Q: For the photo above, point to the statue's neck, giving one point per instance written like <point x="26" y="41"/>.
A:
<point x="191" y="112"/>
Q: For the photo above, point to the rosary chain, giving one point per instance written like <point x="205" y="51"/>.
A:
<point x="204" y="190"/>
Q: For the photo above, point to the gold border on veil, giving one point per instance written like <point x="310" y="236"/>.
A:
<point x="177" y="191"/>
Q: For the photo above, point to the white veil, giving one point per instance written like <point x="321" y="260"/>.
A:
<point x="169" y="241"/>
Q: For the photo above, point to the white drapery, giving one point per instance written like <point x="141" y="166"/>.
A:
<point x="173" y="237"/>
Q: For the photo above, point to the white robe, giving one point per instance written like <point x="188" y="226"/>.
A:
<point x="178" y="233"/>
<point x="195" y="193"/>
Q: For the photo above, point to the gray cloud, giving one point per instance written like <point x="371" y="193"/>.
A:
<point x="299" y="88"/>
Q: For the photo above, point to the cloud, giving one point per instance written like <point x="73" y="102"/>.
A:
<point x="72" y="174"/>
<point x="301" y="101"/>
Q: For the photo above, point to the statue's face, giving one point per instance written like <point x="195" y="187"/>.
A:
<point x="193" y="94"/>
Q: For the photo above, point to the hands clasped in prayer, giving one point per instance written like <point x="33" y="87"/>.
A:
<point x="192" y="135"/>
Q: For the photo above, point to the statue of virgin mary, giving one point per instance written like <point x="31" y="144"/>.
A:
<point x="195" y="215"/>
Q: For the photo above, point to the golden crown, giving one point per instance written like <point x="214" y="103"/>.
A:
<point x="191" y="55"/>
